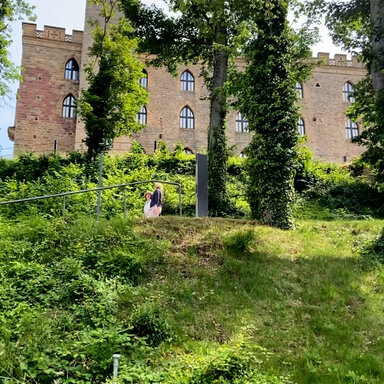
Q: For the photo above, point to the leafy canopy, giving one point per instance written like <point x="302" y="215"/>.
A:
<point x="10" y="10"/>
<point x="110" y="105"/>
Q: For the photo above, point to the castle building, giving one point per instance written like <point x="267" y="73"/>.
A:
<point x="178" y="109"/>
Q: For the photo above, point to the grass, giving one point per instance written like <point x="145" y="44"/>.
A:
<point x="305" y="295"/>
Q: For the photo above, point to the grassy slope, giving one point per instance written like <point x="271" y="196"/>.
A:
<point x="303" y="295"/>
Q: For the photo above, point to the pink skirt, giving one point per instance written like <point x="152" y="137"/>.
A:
<point x="153" y="211"/>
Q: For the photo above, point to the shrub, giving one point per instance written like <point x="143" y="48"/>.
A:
<point x="374" y="250"/>
<point x="233" y="363"/>
<point x="239" y="241"/>
<point x="148" y="321"/>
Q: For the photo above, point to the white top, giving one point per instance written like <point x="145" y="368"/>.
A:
<point x="147" y="208"/>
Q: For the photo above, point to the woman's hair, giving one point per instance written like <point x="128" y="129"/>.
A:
<point x="147" y="193"/>
<point x="158" y="185"/>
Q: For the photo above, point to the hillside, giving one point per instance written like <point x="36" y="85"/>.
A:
<point x="189" y="301"/>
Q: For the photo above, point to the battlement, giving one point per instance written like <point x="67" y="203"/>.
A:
<point x="339" y="60"/>
<point x="52" y="33"/>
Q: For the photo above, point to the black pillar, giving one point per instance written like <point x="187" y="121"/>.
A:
<point x="201" y="185"/>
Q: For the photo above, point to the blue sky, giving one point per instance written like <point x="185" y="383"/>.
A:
<point x="68" y="14"/>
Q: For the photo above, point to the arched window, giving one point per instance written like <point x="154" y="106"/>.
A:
<point x="72" y="70"/>
<point x="187" y="81"/>
<point x="144" y="80"/>
<point x="242" y="154"/>
<point x="299" y="90"/>
<point x="187" y="118"/>
<point x="348" y="92"/>
<point x="301" y="127"/>
<point x="188" y="151"/>
<point x="241" y="123"/>
<point x="142" y="116"/>
<point x="351" y="129"/>
<point x="69" y="107"/>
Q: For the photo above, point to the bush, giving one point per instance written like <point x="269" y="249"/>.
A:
<point x="374" y="250"/>
<point x="148" y="322"/>
<point x="239" y="241"/>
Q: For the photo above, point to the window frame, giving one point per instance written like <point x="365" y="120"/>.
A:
<point x="72" y="71"/>
<point x="142" y="115"/>
<point x="299" y="89"/>
<point x="301" y="126"/>
<point x="187" y="81"/>
<point x="187" y="119"/>
<point x="348" y="92"/>
<point x="351" y="129"/>
<point x="241" y="123"/>
<point x="68" y="110"/>
<point x="143" y="81"/>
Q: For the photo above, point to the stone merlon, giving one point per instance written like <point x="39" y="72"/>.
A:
<point x="52" y="33"/>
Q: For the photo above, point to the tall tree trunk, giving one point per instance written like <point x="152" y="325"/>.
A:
<point x="377" y="66"/>
<point x="217" y="141"/>
<point x="377" y="63"/>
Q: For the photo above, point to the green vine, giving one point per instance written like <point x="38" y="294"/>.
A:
<point x="267" y="97"/>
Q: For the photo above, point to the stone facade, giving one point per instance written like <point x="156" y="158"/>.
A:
<point x="39" y="120"/>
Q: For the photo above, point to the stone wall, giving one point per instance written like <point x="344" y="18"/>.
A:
<point x="39" y="121"/>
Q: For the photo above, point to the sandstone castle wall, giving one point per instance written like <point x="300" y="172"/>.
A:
<point x="39" y="120"/>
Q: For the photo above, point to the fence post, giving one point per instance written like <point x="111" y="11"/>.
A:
<point x="180" y="203"/>
<point x="63" y="206"/>
<point x="98" y="209"/>
<point x="125" y="202"/>
<point x="116" y="358"/>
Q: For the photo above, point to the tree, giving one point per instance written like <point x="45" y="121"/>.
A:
<point x="359" y="25"/>
<point x="267" y="96"/>
<point x="110" y="105"/>
<point x="210" y="32"/>
<point x="9" y="11"/>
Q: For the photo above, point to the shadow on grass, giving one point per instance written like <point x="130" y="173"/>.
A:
<point x="316" y="313"/>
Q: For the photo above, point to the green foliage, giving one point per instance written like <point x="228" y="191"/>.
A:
<point x="10" y="10"/>
<point x="368" y="109"/>
<point x="358" y="26"/>
<point x="29" y="176"/>
<point x="213" y="33"/>
<point x="329" y="191"/>
<point x="373" y="251"/>
<point x="110" y="105"/>
<point x="59" y="298"/>
<point x="239" y="241"/>
<point x="149" y="322"/>
<point x="74" y="293"/>
<point x="267" y="98"/>
<point x="234" y="363"/>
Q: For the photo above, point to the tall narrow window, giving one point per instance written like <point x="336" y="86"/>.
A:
<point x="69" y="107"/>
<point x="142" y="116"/>
<point x="187" y="118"/>
<point x="72" y="70"/>
<point x="301" y="127"/>
<point x="187" y="81"/>
<point x="144" y="80"/>
<point x="299" y="90"/>
<point x="348" y="92"/>
<point x="241" y="123"/>
<point x="351" y="129"/>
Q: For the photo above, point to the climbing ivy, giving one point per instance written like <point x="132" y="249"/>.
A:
<point x="266" y="91"/>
